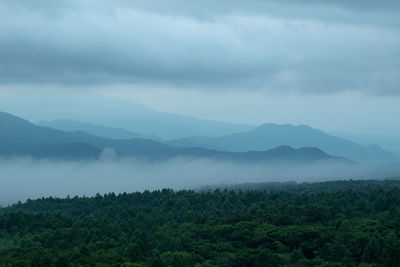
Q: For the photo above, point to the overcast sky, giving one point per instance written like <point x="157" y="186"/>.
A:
<point x="330" y="64"/>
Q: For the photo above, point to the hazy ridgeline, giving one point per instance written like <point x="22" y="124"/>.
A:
<point x="119" y="119"/>
<point x="38" y="161"/>
<point x="23" y="178"/>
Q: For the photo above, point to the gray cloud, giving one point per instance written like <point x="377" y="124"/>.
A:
<point x="305" y="46"/>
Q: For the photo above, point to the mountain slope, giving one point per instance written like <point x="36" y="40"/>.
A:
<point x="114" y="113"/>
<point x="19" y="137"/>
<point x="270" y="135"/>
<point x="69" y="125"/>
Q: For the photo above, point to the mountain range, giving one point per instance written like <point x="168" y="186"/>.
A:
<point x="114" y="113"/>
<point x="270" y="135"/>
<point x="69" y="125"/>
<point x="261" y="138"/>
<point x="19" y="137"/>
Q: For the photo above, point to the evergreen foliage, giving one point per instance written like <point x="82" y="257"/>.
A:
<point x="343" y="223"/>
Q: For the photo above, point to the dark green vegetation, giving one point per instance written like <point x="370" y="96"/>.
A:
<point x="351" y="223"/>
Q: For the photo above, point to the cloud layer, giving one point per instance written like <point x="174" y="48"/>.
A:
<point x="25" y="178"/>
<point x="279" y="46"/>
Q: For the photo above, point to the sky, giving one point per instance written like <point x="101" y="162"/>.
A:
<point x="334" y="65"/>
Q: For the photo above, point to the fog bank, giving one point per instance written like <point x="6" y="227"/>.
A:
<point x="25" y="178"/>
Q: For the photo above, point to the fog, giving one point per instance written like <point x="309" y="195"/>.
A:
<point x="25" y="178"/>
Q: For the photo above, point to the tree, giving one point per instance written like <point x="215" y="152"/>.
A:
<point x="62" y="262"/>
<point x="156" y="260"/>
<point x="391" y="251"/>
<point x="266" y="258"/>
<point x="372" y="251"/>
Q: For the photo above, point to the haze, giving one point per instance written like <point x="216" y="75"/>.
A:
<point x="24" y="178"/>
<point x="333" y="66"/>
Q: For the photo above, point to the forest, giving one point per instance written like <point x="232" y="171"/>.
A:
<point x="338" y="223"/>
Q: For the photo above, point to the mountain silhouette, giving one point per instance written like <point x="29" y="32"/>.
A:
<point x="270" y="135"/>
<point x="69" y="125"/>
<point x="115" y="113"/>
<point x="19" y="137"/>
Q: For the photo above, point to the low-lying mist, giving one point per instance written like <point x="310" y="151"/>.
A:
<point x="25" y="178"/>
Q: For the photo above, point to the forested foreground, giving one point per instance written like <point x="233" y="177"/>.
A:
<point x="352" y="223"/>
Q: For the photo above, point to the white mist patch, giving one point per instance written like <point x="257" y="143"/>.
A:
<point x="21" y="179"/>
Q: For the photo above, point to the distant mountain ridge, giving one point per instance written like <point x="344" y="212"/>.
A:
<point x="19" y="137"/>
<point x="270" y="135"/>
<point x="69" y="125"/>
<point x="116" y="113"/>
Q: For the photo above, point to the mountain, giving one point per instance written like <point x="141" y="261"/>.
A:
<point x="270" y="135"/>
<point x="390" y="143"/>
<point x="19" y="137"/>
<point x="114" y="113"/>
<point x="69" y="125"/>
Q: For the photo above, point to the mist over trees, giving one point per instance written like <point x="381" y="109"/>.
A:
<point x="181" y="133"/>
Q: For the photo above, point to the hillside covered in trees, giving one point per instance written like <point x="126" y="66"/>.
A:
<point x="343" y="223"/>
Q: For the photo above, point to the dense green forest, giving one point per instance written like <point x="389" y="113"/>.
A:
<point x="343" y="223"/>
